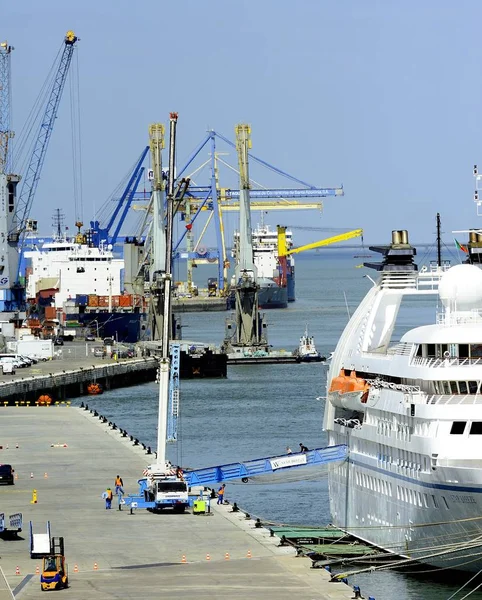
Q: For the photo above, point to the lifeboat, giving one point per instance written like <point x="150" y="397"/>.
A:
<point x="44" y="400"/>
<point x="94" y="389"/>
<point x="348" y="391"/>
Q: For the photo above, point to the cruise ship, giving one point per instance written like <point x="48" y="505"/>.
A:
<point x="274" y="292"/>
<point x="410" y="412"/>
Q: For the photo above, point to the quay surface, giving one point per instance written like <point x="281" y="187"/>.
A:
<point x="138" y="555"/>
<point x="69" y="377"/>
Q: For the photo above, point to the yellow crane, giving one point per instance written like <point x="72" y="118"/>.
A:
<point x="283" y="249"/>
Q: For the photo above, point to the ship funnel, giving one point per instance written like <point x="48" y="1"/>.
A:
<point x="399" y="236"/>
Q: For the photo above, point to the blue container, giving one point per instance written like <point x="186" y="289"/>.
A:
<point x="81" y="300"/>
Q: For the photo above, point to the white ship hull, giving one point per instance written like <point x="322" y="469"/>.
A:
<point x="420" y="519"/>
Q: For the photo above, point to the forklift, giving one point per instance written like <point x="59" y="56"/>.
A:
<point x="54" y="574"/>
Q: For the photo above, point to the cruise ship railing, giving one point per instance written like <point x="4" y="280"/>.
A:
<point x="420" y="361"/>
<point x="455" y="399"/>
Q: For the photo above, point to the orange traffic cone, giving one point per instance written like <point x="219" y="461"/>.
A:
<point x="183" y="559"/>
<point x="17" y="570"/>
<point x="226" y="556"/>
<point x="76" y="569"/>
<point x="16" y="475"/>
<point x="37" y="570"/>
<point x="248" y="555"/>
<point x="45" y="476"/>
<point x="96" y="566"/>
<point x="208" y="557"/>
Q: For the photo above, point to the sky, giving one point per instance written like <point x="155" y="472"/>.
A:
<point x="383" y="97"/>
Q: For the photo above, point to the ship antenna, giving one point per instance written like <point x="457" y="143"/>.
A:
<point x="439" y="242"/>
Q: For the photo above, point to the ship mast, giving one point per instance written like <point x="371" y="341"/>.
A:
<point x="439" y="243"/>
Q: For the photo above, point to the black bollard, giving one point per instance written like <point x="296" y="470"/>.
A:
<point x="258" y="523"/>
<point x="235" y="507"/>
<point x="149" y="451"/>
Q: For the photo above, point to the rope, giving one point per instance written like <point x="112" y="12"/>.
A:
<point x="467" y="583"/>
<point x="470" y="593"/>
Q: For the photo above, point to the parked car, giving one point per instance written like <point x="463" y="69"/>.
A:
<point x="7" y="366"/>
<point x="58" y="341"/>
<point x="90" y="338"/>
<point x="98" y="352"/>
<point x="108" y="342"/>
<point x="6" y="474"/>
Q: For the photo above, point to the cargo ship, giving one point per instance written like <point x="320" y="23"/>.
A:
<point x="80" y="286"/>
<point x="275" y="291"/>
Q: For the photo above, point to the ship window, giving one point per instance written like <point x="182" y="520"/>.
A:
<point x="430" y="349"/>
<point x="453" y="387"/>
<point x="472" y="387"/>
<point x="463" y="387"/>
<point x="419" y="350"/>
<point x="476" y="350"/>
<point x="458" y="427"/>
<point x="476" y="428"/>
<point x="463" y="350"/>
<point x="446" y="387"/>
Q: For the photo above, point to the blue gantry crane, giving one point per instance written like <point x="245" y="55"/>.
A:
<point x="109" y="233"/>
<point x="14" y="223"/>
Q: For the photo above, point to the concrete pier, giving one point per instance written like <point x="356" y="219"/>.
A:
<point x="137" y="555"/>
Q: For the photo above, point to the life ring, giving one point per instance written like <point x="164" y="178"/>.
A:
<point x="94" y="389"/>
<point x="45" y="400"/>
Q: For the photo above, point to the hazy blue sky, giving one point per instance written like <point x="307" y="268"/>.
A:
<point x="382" y="96"/>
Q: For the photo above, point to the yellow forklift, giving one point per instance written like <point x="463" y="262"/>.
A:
<point x="54" y="574"/>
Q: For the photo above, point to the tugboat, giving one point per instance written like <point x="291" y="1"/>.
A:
<point x="306" y="351"/>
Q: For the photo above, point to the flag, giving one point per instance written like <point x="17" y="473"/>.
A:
<point x="460" y="247"/>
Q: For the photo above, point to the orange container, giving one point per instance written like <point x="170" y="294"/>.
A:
<point x="103" y="301"/>
<point x="115" y="301"/>
<point x="93" y="300"/>
<point x="125" y="300"/>
<point x="50" y="312"/>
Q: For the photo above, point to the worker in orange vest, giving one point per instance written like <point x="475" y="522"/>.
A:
<point x="119" y="485"/>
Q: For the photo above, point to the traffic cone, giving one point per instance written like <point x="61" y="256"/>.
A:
<point x="46" y="476"/>
<point x="76" y="569"/>
<point x="226" y="556"/>
<point x="249" y="554"/>
<point x="31" y="475"/>
<point x="16" y="475"/>
<point x="37" y="570"/>
<point x="16" y="445"/>
<point x="183" y="559"/>
<point x="208" y="557"/>
<point x="96" y="566"/>
<point x="17" y="570"/>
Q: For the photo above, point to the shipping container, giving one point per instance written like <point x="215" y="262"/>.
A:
<point x="125" y="300"/>
<point x="93" y="300"/>
<point x="103" y="301"/>
<point x="81" y="299"/>
<point x="50" y="312"/>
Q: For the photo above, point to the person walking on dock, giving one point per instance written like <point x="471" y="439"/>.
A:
<point x="303" y="448"/>
<point x="221" y="494"/>
<point x="107" y="495"/>
<point x="119" y="485"/>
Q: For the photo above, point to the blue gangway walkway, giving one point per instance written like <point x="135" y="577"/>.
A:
<point x="266" y="466"/>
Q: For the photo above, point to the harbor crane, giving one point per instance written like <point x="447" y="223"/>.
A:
<point x="15" y="211"/>
<point x="249" y="328"/>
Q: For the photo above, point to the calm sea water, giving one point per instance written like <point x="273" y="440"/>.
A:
<point x="259" y="410"/>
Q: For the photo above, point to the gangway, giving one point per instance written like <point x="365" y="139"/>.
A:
<point x="268" y="469"/>
<point x="39" y="542"/>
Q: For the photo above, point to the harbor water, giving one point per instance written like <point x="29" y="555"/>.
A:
<point x="259" y="410"/>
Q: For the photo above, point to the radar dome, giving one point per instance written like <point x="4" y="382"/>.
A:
<point x="460" y="288"/>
